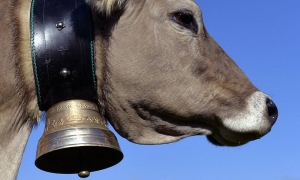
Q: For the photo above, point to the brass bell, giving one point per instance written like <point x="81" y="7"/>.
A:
<point x="76" y="140"/>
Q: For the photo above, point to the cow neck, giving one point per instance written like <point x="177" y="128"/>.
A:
<point x="62" y="51"/>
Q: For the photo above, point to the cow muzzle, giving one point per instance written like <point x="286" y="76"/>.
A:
<point x="255" y="121"/>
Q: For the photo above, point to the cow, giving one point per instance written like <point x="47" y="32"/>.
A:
<point x="161" y="77"/>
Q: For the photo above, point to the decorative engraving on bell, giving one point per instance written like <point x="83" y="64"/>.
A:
<point x="76" y="140"/>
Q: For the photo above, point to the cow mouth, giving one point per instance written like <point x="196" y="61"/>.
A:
<point x="219" y="140"/>
<point x="212" y="140"/>
<point x="166" y="124"/>
<point x="223" y="142"/>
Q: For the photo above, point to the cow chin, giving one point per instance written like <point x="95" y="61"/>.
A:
<point x="221" y="141"/>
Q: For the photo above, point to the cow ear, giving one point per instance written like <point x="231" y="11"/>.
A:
<point x="107" y="6"/>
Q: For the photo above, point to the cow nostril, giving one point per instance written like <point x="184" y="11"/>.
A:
<point x="272" y="111"/>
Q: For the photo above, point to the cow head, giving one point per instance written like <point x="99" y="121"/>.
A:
<point x="163" y="78"/>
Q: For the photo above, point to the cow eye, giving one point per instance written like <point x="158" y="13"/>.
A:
<point x="186" y="19"/>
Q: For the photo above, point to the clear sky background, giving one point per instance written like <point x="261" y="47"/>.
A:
<point x="263" y="37"/>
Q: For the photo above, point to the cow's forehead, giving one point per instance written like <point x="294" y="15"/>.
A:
<point x="176" y="4"/>
<point x="181" y="3"/>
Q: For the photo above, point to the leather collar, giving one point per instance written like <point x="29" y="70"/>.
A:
<point x="62" y="51"/>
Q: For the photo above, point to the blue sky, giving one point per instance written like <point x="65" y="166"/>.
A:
<point x="263" y="37"/>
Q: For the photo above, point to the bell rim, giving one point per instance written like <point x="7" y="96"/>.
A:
<point x="46" y="163"/>
<point x="55" y="149"/>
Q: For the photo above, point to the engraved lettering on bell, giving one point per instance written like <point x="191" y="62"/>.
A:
<point x="60" y="26"/>
<point x="54" y="123"/>
<point x="58" y="108"/>
<point x="97" y="121"/>
<point x="68" y="106"/>
<point x="74" y="117"/>
<point x="61" y="122"/>
<point x="90" y="120"/>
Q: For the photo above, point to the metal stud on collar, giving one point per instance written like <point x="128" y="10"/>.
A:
<point x="60" y="26"/>
<point x="65" y="72"/>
